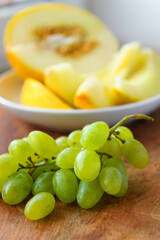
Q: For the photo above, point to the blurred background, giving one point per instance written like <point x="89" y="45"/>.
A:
<point x="136" y="20"/>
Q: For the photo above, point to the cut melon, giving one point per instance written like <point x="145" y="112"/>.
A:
<point x="47" y="34"/>
<point x="63" y="80"/>
<point x="132" y="75"/>
<point x="142" y="83"/>
<point x="91" y="94"/>
<point x="35" y="94"/>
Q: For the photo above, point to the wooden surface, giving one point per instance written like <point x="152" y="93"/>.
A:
<point x="135" y="216"/>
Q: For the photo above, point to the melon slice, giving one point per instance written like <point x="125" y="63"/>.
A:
<point x="47" y="34"/>
<point x="63" y="80"/>
<point x="35" y="94"/>
<point x="132" y="75"/>
<point x="141" y="84"/>
<point x="91" y="94"/>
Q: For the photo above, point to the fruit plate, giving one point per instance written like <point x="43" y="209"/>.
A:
<point x="65" y="120"/>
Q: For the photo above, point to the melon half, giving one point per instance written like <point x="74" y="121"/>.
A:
<point x="47" y="34"/>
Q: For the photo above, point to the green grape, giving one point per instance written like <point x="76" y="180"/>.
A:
<point x="87" y="165"/>
<point x="84" y="128"/>
<point x="89" y="193"/>
<point x="35" y="158"/>
<point x="111" y="147"/>
<point x="119" y="164"/>
<point x="2" y="182"/>
<point x="43" y="144"/>
<point x="103" y="158"/>
<point x="17" y="188"/>
<point x="74" y="138"/>
<point x="95" y="135"/>
<point x="43" y="183"/>
<point x="25" y="139"/>
<point x="110" y="180"/>
<point x="8" y="165"/>
<point x="65" y="185"/>
<point x="124" y="133"/>
<point x="62" y="143"/>
<point x="45" y="168"/>
<point x="66" y="158"/>
<point x="39" y="206"/>
<point x="135" y="153"/>
<point x="21" y="150"/>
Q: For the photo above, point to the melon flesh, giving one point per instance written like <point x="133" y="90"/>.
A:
<point x="30" y="56"/>
<point x="35" y="94"/>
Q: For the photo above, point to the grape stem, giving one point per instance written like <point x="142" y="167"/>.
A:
<point x="33" y="165"/>
<point x="116" y="135"/>
<point x="126" y="118"/>
<point x="103" y="153"/>
<point x="30" y="160"/>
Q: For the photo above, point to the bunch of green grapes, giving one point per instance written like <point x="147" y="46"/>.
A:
<point x="79" y="167"/>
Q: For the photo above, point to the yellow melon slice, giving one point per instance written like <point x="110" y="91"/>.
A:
<point x="47" y="34"/>
<point x="63" y="80"/>
<point x="35" y="94"/>
<point x="143" y="83"/>
<point x="132" y="75"/>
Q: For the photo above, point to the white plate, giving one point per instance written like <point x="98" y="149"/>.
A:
<point x="62" y="120"/>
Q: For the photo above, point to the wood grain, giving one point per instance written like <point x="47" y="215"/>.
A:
<point x="135" y="216"/>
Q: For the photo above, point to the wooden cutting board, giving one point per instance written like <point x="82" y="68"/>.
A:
<point x="135" y="216"/>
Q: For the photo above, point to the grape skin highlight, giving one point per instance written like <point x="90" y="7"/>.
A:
<point x="39" y="206"/>
<point x="95" y="135"/>
<point x="87" y="165"/>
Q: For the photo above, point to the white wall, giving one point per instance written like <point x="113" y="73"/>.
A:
<point x="131" y="20"/>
